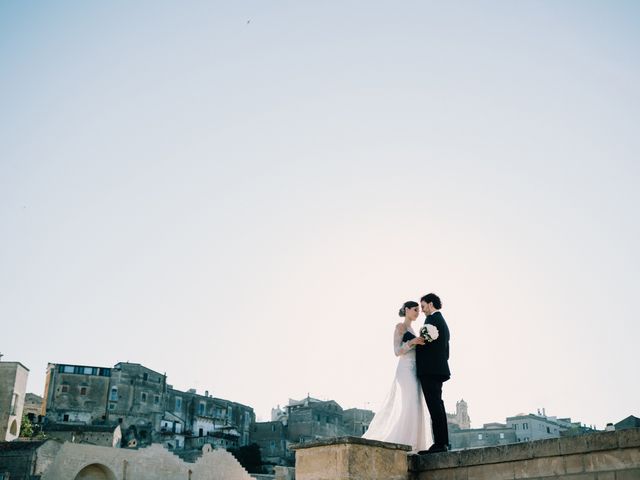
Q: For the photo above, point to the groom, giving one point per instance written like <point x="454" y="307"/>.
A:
<point x="432" y="368"/>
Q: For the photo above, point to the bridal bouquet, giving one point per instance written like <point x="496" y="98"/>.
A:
<point x="429" y="332"/>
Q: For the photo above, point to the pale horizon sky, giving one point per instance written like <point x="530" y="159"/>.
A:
<point x="242" y="194"/>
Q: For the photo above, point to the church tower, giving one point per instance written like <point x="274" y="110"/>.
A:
<point x="462" y="415"/>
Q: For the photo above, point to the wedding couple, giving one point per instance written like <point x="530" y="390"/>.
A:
<point x="417" y="387"/>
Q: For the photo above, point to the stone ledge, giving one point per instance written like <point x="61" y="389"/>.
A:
<point x="589" y="443"/>
<point x="350" y="441"/>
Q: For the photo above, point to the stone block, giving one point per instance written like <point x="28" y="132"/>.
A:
<point x="435" y="461"/>
<point x="629" y="438"/>
<point x="573" y="464"/>
<point x="546" y="448"/>
<point x="351" y="458"/>
<point x="500" y="454"/>
<point x="539" y="467"/>
<point x="494" y="471"/>
<point x="632" y="474"/>
<point x="573" y="445"/>
<point x="606" y="476"/>
<point x="613" y="460"/>
<point x="445" y="474"/>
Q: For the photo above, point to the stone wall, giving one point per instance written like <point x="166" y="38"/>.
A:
<point x="151" y="463"/>
<point x="596" y="456"/>
<point x="13" y="384"/>
<point x="351" y="458"/>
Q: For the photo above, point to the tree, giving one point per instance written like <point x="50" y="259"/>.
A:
<point x="249" y="457"/>
<point x="26" y="429"/>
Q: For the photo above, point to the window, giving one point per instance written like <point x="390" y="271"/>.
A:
<point x="88" y="370"/>
<point x="178" y="403"/>
<point x="156" y="399"/>
<point x="68" y="369"/>
<point x="479" y="436"/>
<point x="143" y="397"/>
<point x="83" y="391"/>
<point x="548" y="430"/>
<point x="525" y="426"/>
<point x="145" y="376"/>
<point x="112" y="406"/>
<point x="502" y="435"/>
<point x="114" y="394"/>
<point x="65" y="418"/>
<point x="201" y="408"/>
<point x="64" y="389"/>
<point x="273" y="427"/>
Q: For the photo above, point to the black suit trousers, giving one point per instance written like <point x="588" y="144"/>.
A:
<point x="432" y="389"/>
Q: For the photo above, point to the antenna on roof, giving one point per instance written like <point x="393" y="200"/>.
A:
<point x="1" y="355"/>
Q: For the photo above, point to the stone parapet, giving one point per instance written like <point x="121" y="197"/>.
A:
<point x="351" y="458"/>
<point x="596" y="456"/>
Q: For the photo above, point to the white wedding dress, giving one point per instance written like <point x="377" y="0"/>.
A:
<point x="403" y="417"/>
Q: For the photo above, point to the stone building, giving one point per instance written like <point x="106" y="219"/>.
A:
<point x="33" y="407"/>
<point x="76" y="393"/>
<point x="303" y="421"/>
<point x="272" y="439"/>
<point x="530" y="427"/>
<point x="490" y="434"/>
<point x="355" y="421"/>
<point x="204" y="419"/>
<point x="13" y="386"/>
<point x="311" y="419"/>
<point x="136" y="400"/>
<point x="460" y="419"/>
<point x="146" y="408"/>
<point x="630" y="422"/>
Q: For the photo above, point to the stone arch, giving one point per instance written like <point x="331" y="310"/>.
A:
<point x="13" y="429"/>
<point x="95" y="471"/>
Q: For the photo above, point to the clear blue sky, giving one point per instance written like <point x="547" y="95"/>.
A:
<point x="242" y="194"/>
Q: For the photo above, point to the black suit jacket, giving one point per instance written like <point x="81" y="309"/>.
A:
<point x="432" y="358"/>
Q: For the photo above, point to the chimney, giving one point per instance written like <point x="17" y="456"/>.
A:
<point x="206" y="393"/>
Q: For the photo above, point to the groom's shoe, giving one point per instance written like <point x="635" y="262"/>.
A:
<point x="434" y="449"/>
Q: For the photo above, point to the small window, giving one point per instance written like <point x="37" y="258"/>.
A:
<point x="144" y="396"/>
<point x="178" y="403"/>
<point x="273" y="427"/>
<point x="112" y="406"/>
<point x="479" y="436"/>
<point x="156" y="399"/>
<point x="502" y="435"/>
<point x="68" y="369"/>
<point x="83" y="391"/>
<point x="88" y="371"/>
<point x="114" y="394"/>
<point x="145" y="376"/>
<point x="65" y="418"/>
<point x="64" y="389"/>
<point x="548" y="430"/>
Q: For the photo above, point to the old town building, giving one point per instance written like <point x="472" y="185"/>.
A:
<point x="147" y="409"/>
<point x="13" y="385"/>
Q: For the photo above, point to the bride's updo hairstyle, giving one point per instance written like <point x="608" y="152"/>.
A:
<point x="405" y="305"/>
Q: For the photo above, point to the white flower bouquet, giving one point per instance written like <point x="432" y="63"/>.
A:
<point x="429" y="332"/>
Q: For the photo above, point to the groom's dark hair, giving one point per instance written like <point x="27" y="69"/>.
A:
<point x="432" y="298"/>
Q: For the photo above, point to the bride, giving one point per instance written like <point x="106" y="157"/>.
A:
<point x="403" y="417"/>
